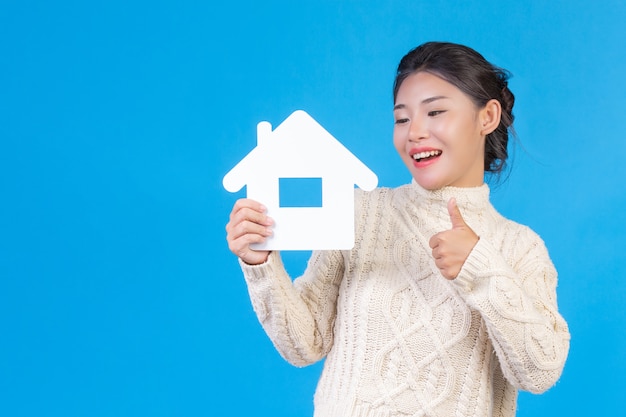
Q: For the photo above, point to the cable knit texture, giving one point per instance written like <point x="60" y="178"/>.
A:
<point x="401" y="340"/>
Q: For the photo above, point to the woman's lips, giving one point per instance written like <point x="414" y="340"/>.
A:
<point x="424" y="157"/>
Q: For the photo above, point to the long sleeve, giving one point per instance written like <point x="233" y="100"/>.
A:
<point x="517" y="301"/>
<point x="297" y="316"/>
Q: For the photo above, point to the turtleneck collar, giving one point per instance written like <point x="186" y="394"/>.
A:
<point x="468" y="198"/>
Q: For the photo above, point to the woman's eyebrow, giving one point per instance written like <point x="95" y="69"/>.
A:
<point x="425" y="101"/>
<point x="434" y="98"/>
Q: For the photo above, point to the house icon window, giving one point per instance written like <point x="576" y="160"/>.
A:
<point x="322" y="214"/>
<point x="300" y="192"/>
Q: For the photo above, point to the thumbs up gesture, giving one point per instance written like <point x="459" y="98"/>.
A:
<point x="452" y="247"/>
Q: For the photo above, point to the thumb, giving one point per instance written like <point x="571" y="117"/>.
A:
<point x="455" y="214"/>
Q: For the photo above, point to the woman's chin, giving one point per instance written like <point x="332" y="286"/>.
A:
<point x="430" y="184"/>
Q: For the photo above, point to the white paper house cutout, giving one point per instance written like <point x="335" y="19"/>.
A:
<point x="301" y="148"/>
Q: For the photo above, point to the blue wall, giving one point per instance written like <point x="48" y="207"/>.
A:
<point x="118" y="120"/>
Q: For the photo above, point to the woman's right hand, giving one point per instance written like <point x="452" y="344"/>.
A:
<point x="248" y="224"/>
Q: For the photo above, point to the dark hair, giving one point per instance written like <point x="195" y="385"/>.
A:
<point x="471" y="73"/>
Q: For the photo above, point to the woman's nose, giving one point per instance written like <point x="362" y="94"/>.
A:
<point x="417" y="130"/>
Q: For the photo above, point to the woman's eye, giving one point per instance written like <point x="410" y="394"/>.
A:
<point x="435" y="112"/>
<point x="400" y="121"/>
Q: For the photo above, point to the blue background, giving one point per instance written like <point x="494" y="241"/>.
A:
<point x="118" y="120"/>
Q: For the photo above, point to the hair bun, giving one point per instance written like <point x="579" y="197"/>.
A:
<point x="508" y="100"/>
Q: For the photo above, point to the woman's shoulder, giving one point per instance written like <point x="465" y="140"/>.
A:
<point x="378" y="198"/>
<point x="380" y="193"/>
<point x="521" y="236"/>
<point x="516" y="227"/>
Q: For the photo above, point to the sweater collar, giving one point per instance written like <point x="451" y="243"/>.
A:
<point x="474" y="199"/>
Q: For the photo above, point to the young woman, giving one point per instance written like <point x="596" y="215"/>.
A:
<point x="443" y="307"/>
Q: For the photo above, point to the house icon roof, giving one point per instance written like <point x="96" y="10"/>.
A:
<point x="301" y="148"/>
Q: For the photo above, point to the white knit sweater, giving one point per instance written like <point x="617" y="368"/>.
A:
<point x="401" y="340"/>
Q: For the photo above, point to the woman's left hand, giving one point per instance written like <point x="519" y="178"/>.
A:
<point x="452" y="247"/>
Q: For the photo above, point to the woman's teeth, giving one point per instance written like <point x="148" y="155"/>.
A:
<point x="428" y="154"/>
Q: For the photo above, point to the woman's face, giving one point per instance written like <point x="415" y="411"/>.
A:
<point x="439" y="133"/>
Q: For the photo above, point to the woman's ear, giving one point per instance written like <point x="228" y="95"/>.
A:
<point x="489" y="116"/>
